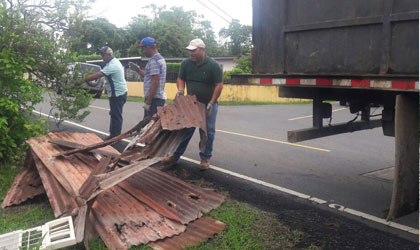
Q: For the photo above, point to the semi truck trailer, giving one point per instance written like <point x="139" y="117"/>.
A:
<point x="362" y="53"/>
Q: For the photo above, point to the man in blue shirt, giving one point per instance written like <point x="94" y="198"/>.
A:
<point x="154" y="76"/>
<point x="115" y="86"/>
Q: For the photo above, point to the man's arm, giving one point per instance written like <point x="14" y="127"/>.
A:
<point x="180" y="84"/>
<point x="94" y="77"/>
<point x="216" y="93"/>
<point x="153" y="87"/>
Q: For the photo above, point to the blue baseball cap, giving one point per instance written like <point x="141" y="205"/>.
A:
<point x="147" y="41"/>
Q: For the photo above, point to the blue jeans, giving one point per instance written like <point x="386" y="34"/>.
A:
<point x="211" y="132"/>
<point x="116" y="105"/>
<point x="153" y="107"/>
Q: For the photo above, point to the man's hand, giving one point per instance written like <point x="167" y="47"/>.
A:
<point x="134" y="66"/>
<point x="180" y="92"/>
<point x="147" y="106"/>
<point x="209" y="109"/>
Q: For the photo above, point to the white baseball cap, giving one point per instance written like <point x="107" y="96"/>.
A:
<point x="196" y="43"/>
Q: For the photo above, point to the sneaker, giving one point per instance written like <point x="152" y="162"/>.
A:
<point x="170" y="161"/>
<point x="204" y="164"/>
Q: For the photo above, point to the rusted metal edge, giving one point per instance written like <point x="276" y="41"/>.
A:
<point x="122" y="221"/>
<point x="198" y="231"/>
<point x="107" y="180"/>
<point x="26" y="185"/>
<point x="171" y="196"/>
<point x="60" y="200"/>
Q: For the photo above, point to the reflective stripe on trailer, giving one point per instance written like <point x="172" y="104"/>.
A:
<point x="354" y="83"/>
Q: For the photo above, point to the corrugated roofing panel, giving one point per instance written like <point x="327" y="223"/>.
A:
<point x="26" y="185"/>
<point x="122" y="221"/>
<point x="184" y="112"/>
<point x="148" y="206"/>
<point x="71" y="173"/>
<point x="163" y="137"/>
<point x="197" y="231"/>
<point x="60" y="200"/>
<point x="171" y="196"/>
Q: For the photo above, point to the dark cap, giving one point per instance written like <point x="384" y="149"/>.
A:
<point x="105" y="50"/>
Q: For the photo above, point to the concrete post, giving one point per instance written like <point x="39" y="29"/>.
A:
<point x="405" y="191"/>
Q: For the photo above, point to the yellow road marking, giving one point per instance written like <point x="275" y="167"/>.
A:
<point x="298" y="118"/>
<point x="256" y="137"/>
<point x="310" y="116"/>
<point x="275" y="141"/>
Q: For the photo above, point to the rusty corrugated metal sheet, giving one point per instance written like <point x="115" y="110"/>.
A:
<point x="198" y="231"/>
<point x="120" y="219"/>
<point x="123" y="221"/>
<point x="71" y="173"/>
<point x="26" y="185"/>
<point x="163" y="137"/>
<point x="149" y="205"/>
<point x="184" y="112"/>
<point x="170" y="196"/>
<point x="164" y="144"/>
<point x="60" y="200"/>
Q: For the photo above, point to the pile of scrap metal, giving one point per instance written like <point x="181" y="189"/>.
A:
<point x="120" y="196"/>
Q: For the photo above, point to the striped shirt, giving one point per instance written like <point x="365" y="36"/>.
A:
<point x="155" y="66"/>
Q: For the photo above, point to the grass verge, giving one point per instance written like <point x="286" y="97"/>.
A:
<point x="247" y="227"/>
<point x="230" y="103"/>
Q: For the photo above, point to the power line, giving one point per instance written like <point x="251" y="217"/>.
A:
<point x="215" y="5"/>
<point x="214" y="11"/>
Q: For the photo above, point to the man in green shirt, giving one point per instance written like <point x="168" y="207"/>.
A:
<point x="202" y="76"/>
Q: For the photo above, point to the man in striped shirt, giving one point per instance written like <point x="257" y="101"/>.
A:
<point x="154" y="77"/>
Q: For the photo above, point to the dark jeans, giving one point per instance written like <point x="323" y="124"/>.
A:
<point x="116" y="105"/>
<point x="153" y="108"/>
<point x="211" y="132"/>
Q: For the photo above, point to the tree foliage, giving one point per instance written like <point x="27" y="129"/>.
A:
<point x="98" y="33"/>
<point x="33" y="56"/>
<point x="239" y="38"/>
<point x="243" y="65"/>
<point x="172" y="28"/>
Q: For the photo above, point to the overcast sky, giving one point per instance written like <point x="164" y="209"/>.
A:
<point x="120" y="12"/>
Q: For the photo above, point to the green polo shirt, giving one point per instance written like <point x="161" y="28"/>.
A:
<point x="201" y="80"/>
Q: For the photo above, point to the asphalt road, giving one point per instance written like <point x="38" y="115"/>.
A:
<point x="251" y="141"/>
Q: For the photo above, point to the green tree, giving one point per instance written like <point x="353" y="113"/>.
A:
<point x="33" y="56"/>
<point x="239" y="38"/>
<point x="98" y="33"/>
<point x="243" y="65"/>
<point x="173" y="29"/>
